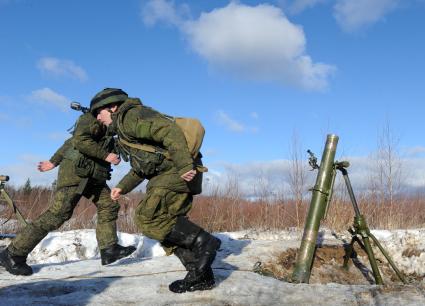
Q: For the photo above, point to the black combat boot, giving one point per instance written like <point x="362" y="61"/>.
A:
<point x="16" y="265"/>
<point x="197" y="250"/>
<point x="194" y="280"/>
<point x="187" y="258"/>
<point x="115" y="252"/>
<point x="205" y="248"/>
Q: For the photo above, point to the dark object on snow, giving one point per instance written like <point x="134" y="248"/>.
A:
<point x="16" y="265"/>
<point x="115" y="252"/>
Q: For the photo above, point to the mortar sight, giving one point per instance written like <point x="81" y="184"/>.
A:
<point x="4" y="178"/>
<point x="77" y="106"/>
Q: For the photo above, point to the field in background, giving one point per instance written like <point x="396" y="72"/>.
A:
<point x="223" y="211"/>
<point x="385" y="201"/>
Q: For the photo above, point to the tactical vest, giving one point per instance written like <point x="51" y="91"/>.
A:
<point x="89" y="167"/>
<point x="147" y="159"/>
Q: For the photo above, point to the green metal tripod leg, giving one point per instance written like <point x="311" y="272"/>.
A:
<point x="390" y="261"/>
<point x="360" y="227"/>
<point x="372" y="260"/>
<point x="11" y="204"/>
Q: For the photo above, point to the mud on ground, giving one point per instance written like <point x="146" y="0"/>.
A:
<point x="328" y="267"/>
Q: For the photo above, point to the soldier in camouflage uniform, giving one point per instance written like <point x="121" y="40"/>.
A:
<point x="85" y="164"/>
<point x="161" y="215"/>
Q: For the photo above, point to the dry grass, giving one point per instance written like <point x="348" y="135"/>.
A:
<point x="220" y="213"/>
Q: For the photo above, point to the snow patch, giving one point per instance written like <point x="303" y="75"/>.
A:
<point x="76" y="245"/>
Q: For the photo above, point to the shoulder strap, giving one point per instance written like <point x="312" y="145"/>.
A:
<point x="145" y="147"/>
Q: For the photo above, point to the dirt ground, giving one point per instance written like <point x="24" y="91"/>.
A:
<point x="328" y="267"/>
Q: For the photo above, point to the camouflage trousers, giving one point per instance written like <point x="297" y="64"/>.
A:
<point x="157" y="213"/>
<point x="65" y="200"/>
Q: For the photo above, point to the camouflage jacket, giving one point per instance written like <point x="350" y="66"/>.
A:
<point x="140" y="124"/>
<point x="90" y="141"/>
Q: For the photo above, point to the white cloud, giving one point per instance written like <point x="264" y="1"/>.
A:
<point x="415" y="168"/>
<point x="353" y="15"/>
<point x="298" y="6"/>
<point x="231" y="124"/>
<point x="414" y="151"/>
<point x="162" y="11"/>
<point x="256" y="43"/>
<point x="61" y="67"/>
<point x="49" y="97"/>
<point x="252" y="178"/>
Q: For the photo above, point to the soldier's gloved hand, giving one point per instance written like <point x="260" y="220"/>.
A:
<point x="189" y="175"/>
<point x="113" y="158"/>
<point x="45" y="166"/>
<point x="115" y="193"/>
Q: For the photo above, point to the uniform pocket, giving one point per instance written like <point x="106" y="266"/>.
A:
<point x="149" y="206"/>
<point x="178" y="203"/>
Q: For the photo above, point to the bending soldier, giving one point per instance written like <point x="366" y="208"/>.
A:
<point x="85" y="164"/>
<point x="161" y="215"/>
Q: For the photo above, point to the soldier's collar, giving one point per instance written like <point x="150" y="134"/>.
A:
<point x="113" y="126"/>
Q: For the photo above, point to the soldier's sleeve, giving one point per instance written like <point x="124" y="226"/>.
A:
<point x="130" y="181"/>
<point x="57" y="158"/>
<point x="165" y="132"/>
<point x="83" y="139"/>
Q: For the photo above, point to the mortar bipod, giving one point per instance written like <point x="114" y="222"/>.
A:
<point x="361" y="228"/>
<point x="9" y="201"/>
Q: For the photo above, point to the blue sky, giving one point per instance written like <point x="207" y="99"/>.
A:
<point x="254" y="72"/>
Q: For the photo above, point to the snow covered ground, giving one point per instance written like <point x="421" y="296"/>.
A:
<point x="68" y="272"/>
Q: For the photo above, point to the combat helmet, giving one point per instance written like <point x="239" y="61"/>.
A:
<point x="106" y="97"/>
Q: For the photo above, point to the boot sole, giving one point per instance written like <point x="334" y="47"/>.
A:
<point x="207" y="285"/>
<point x="203" y="286"/>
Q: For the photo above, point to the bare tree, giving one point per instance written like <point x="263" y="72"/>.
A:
<point x="386" y="180"/>
<point x="296" y="174"/>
